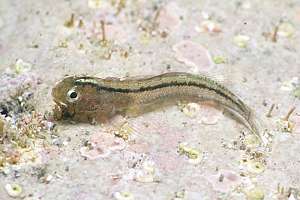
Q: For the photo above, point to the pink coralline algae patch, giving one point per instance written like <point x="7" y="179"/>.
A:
<point x="169" y="18"/>
<point x="193" y="55"/>
<point x="224" y="181"/>
<point x="102" y="145"/>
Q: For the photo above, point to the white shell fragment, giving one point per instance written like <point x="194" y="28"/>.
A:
<point x="13" y="190"/>
<point x="147" y="174"/>
<point x="194" y="155"/>
<point x="22" y="66"/>
<point x="255" y="193"/>
<point x="191" y="109"/>
<point x="123" y="196"/>
<point x="94" y="3"/>
<point x="286" y="29"/>
<point x="241" y="40"/>
<point x="255" y="167"/>
<point x="208" y="26"/>
<point x="290" y="84"/>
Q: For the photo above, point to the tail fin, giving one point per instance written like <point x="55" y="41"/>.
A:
<point x="256" y="127"/>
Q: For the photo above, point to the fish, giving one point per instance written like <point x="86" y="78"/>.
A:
<point x="92" y="99"/>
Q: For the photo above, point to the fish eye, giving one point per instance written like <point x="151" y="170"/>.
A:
<point x="72" y="95"/>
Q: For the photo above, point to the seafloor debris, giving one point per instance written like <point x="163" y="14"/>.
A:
<point x="101" y="145"/>
<point x="285" y="124"/>
<point x="124" y="195"/>
<point x="208" y="115"/>
<point x="286" y="193"/>
<point x="241" y="40"/>
<point x="22" y="67"/>
<point x="286" y="29"/>
<point x="147" y="173"/>
<point x="124" y="131"/>
<point x="181" y="195"/>
<point x="13" y="190"/>
<point x="224" y="180"/>
<point x="94" y="3"/>
<point x="255" y="193"/>
<point x="209" y="26"/>
<point x="164" y="20"/>
<point x="296" y="92"/>
<point x="16" y="93"/>
<point x="255" y="167"/>
<point x="26" y="128"/>
<point x="195" y="156"/>
<point x="70" y="22"/>
<point x="219" y="59"/>
<point x="290" y="85"/>
<point x="269" y="114"/>
<point x="20" y="125"/>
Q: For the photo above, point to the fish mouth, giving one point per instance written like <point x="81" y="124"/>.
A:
<point x="63" y="111"/>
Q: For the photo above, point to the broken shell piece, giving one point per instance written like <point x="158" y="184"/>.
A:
<point x="194" y="155"/>
<point x="219" y="59"/>
<point x="296" y="92"/>
<point x="208" y="115"/>
<point x="286" y="29"/>
<point x="285" y="125"/>
<point x="191" y="109"/>
<point x="180" y="195"/>
<point x="147" y="174"/>
<point x="255" y="194"/>
<point x="255" y="167"/>
<point x="13" y="190"/>
<point x="251" y="141"/>
<point x="123" y="196"/>
<point x="290" y="85"/>
<point x="21" y="66"/>
<point x="209" y="26"/>
<point x="124" y="131"/>
<point x="94" y="3"/>
<point x="241" y="40"/>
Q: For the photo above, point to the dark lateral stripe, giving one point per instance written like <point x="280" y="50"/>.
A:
<point x="159" y="86"/>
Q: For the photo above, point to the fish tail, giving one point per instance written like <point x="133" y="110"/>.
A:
<point x="255" y="125"/>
